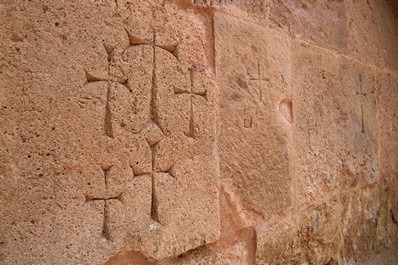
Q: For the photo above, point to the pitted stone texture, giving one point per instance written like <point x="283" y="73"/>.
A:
<point x="276" y="243"/>
<point x="335" y="133"/>
<point x="319" y="232"/>
<point x="100" y="148"/>
<point x="253" y="75"/>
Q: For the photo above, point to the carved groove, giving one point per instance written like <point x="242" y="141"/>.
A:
<point x="154" y="203"/>
<point x="191" y="127"/>
<point x="106" y="175"/>
<point x="105" y="227"/>
<point x="108" y="114"/>
<point x="362" y="95"/>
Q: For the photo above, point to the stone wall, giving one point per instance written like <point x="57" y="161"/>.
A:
<point x="198" y="131"/>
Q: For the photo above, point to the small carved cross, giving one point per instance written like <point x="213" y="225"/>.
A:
<point x="153" y="119"/>
<point x="106" y="198"/>
<point x="178" y="91"/>
<point x="260" y="80"/>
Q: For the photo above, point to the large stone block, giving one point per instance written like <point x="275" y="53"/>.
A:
<point x="335" y="130"/>
<point x="108" y="126"/>
<point x="253" y="74"/>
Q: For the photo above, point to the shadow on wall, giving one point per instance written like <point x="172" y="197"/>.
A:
<point x="393" y="5"/>
<point x="130" y="258"/>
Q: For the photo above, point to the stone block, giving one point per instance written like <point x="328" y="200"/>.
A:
<point x="335" y="133"/>
<point x="96" y="111"/>
<point x="253" y="74"/>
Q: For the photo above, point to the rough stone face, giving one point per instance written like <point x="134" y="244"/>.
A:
<point x="198" y="132"/>
<point x="335" y="133"/>
<point x="387" y="85"/>
<point x="373" y="27"/>
<point x="112" y="122"/>
<point x="310" y="237"/>
<point x="276" y="243"/>
<point x="253" y="75"/>
<point x="319" y="233"/>
<point x="319" y="22"/>
<point x="364" y="225"/>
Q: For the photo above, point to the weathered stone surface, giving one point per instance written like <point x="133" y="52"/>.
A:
<point x="276" y="243"/>
<point x="364" y="225"/>
<point x="335" y="133"/>
<point x="253" y="75"/>
<point x="240" y="251"/>
<point x="110" y="131"/>
<point x="310" y="237"/>
<point x="373" y="31"/>
<point x="320" y="233"/>
<point x="198" y="132"/>
<point x="387" y="86"/>
<point x="320" y="22"/>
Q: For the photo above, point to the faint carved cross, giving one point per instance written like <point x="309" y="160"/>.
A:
<point x="363" y="96"/>
<point x="260" y="80"/>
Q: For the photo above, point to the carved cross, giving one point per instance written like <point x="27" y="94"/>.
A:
<point x="153" y="124"/>
<point x="105" y="198"/>
<point x="260" y="80"/>
<point x="363" y="96"/>
<point x="178" y="91"/>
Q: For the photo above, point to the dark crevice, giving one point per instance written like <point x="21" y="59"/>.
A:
<point x="173" y="49"/>
<point x="134" y="41"/>
<point x="105" y="228"/>
<point x="106" y="175"/>
<point x="362" y="95"/>
<point x="154" y="203"/>
<point x="90" y="78"/>
<point x="108" y="115"/>
<point x="191" y="127"/>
